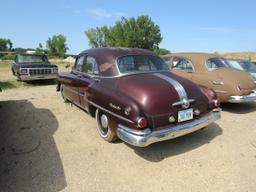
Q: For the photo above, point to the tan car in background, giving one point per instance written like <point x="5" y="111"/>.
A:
<point x="213" y="71"/>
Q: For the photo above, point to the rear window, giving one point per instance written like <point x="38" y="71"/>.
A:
<point x="141" y="63"/>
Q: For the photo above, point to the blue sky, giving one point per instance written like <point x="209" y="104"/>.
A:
<point x="198" y="25"/>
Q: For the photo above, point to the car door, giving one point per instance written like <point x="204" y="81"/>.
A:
<point x="87" y="77"/>
<point x="72" y="86"/>
<point x="181" y="66"/>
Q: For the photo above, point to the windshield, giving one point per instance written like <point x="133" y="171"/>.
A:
<point x="216" y="63"/>
<point x="235" y="64"/>
<point x="141" y="63"/>
<point x="248" y="66"/>
<point x="31" y="58"/>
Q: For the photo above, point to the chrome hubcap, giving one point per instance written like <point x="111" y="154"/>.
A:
<point x="104" y="121"/>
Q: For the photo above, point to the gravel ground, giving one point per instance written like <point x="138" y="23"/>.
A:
<point x="47" y="145"/>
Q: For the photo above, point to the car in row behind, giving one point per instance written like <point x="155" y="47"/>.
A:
<point x="214" y="71"/>
<point x="243" y="65"/>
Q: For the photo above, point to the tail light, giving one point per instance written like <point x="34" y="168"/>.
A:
<point x="216" y="103"/>
<point x="142" y="122"/>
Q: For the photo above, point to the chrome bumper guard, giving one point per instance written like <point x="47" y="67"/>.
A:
<point x="244" y="98"/>
<point x="143" y="138"/>
<point x="37" y="77"/>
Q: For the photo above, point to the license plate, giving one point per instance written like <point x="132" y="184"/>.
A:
<point x="185" y="115"/>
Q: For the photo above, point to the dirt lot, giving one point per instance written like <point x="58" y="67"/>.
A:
<point x="47" y="145"/>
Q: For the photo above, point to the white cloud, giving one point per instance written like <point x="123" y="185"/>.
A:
<point x="102" y="13"/>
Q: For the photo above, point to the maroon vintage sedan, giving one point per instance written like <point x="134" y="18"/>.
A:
<point x="134" y="97"/>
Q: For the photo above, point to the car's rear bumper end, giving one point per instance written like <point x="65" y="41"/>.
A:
<point x="143" y="138"/>
<point x="37" y="77"/>
<point x="243" y="98"/>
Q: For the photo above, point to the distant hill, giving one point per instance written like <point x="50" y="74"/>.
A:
<point x="240" y="55"/>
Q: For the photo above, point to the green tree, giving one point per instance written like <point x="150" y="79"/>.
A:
<point x="140" y="32"/>
<point x="57" y="45"/>
<point x="99" y="37"/>
<point x="5" y="44"/>
<point x="39" y="49"/>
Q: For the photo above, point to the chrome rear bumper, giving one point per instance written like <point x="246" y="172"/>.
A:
<point x="243" y="98"/>
<point x="143" y="138"/>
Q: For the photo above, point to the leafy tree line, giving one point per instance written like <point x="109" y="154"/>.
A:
<point x="140" y="32"/>
<point x="5" y="44"/>
<point x="55" y="46"/>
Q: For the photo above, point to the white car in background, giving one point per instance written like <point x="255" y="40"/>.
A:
<point x="244" y="65"/>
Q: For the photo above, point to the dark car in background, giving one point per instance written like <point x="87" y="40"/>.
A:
<point x="134" y="96"/>
<point x="29" y="67"/>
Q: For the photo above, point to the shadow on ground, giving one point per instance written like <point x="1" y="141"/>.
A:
<point x="42" y="82"/>
<point x="239" y="108"/>
<point x="29" y="158"/>
<point x="159" y="151"/>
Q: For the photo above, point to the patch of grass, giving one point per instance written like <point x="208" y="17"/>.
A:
<point x="12" y="84"/>
<point x="5" y="66"/>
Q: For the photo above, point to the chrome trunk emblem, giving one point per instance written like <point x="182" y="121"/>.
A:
<point x="185" y="103"/>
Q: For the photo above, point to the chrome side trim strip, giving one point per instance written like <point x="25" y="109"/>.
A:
<point x="110" y="112"/>
<point x="220" y="91"/>
<point x="178" y="87"/>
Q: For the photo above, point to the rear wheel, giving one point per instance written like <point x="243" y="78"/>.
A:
<point x="103" y="126"/>
<point x="62" y="94"/>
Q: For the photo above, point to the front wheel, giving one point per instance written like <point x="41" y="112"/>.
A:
<point x="103" y="126"/>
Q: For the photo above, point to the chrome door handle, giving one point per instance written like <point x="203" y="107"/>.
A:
<point x="96" y="80"/>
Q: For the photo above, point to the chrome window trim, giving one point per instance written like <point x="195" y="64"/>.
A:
<point x="133" y="73"/>
<point x="116" y="65"/>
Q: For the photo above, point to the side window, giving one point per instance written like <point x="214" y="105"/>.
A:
<point x="216" y="63"/>
<point x="90" y="66"/>
<point x="182" y="64"/>
<point x="79" y="63"/>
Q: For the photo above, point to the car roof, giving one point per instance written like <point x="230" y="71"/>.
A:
<point x="116" y="51"/>
<point x="107" y="56"/>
